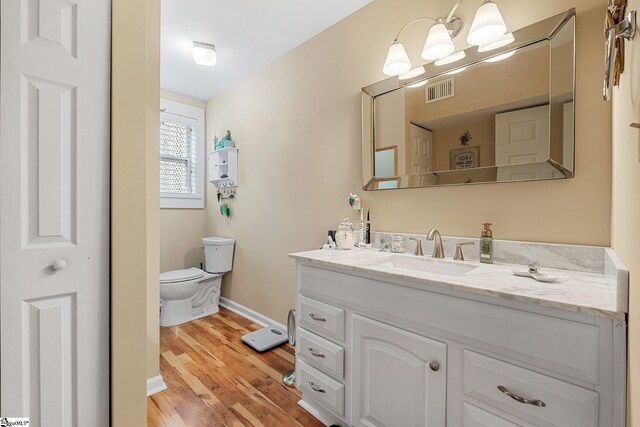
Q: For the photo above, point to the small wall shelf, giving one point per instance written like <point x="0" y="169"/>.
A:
<point x="223" y="167"/>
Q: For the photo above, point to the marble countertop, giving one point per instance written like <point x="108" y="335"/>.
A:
<point x="584" y="292"/>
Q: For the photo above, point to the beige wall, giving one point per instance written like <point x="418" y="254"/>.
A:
<point x="181" y="230"/>
<point x="626" y="204"/>
<point x="134" y="207"/>
<point x="297" y="125"/>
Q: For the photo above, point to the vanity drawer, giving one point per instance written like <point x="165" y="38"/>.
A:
<point x="565" y="405"/>
<point x="322" y="354"/>
<point x="322" y="318"/>
<point x="321" y="387"/>
<point x="472" y="416"/>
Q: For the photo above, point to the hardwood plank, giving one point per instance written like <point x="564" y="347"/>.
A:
<point x="247" y="415"/>
<point x="214" y="379"/>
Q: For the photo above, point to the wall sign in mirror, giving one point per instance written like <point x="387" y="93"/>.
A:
<point x="500" y="115"/>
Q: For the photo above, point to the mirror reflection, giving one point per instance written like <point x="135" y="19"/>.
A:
<point x="507" y="118"/>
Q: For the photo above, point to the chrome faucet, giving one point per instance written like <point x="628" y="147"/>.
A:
<point x="438" y="249"/>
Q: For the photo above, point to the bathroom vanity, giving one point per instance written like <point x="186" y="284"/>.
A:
<point x="399" y="340"/>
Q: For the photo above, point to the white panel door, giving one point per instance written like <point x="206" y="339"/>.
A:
<point x="54" y="211"/>
<point x="522" y="137"/>
<point x="399" y="378"/>
<point x="421" y="155"/>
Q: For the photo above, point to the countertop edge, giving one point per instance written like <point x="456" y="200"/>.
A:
<point x="616" y="315"/>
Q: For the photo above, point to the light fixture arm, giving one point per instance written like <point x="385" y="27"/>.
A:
<point x="413" y="21"/>
<point x="452" y="11"/>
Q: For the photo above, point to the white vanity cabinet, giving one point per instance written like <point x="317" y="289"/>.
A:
<point x="381" y="351"/>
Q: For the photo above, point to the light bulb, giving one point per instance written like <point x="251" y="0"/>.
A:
<point x="487" y="25"/>
<point x="451" y="58"/>
<point x="418" y="71"/>
<point x="438" y="44"/>
<point x="204" y="54"/>
<point x="397" y="61"/>
<point x="502" y="41"/>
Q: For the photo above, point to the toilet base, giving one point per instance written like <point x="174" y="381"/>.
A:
<point x="203" y="304"/>
<point x="175" y="312"/>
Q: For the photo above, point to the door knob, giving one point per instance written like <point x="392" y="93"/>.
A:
<point x="59" y="264"/>
<point x="435" y="366"/>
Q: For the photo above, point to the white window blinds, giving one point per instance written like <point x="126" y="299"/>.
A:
<point x="178" y="155"/>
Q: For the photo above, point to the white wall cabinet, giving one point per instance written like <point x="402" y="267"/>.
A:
<point x="397" y="355"/>
<point x="223" y="167"/>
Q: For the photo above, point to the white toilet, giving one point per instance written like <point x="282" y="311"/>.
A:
<point x="189" y="294"/>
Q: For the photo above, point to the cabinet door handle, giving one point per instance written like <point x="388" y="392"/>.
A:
<point x="435" y="366"/>
<point x="315" y="353"/>
<point x="534" y="402"/>
<point x="316" y="388"/>
<point x="317" y="318"/>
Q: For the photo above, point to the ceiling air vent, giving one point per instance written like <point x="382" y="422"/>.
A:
<point x="441" y="90"/>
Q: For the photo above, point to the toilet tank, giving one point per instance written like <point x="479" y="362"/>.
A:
<point x="218" y="254"/>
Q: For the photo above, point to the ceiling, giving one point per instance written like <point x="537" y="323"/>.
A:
<point x="248" y="34"/>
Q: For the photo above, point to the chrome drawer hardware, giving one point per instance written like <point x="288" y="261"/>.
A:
<point x="435" y="366"/>
<point x="315" y="353"/>
<point x="316" y="388"/>
<point x="534" y="402"/>
<point x="317" y="318"/>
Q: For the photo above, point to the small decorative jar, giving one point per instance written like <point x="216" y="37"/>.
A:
<point x="345" y="236"/>
<point x="397" y="244"/>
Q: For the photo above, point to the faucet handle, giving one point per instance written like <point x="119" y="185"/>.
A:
<point x="459" y="256"/>
<point x="418" y="251"/>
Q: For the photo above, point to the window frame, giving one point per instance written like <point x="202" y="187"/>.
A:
<point x="186" y="201"/>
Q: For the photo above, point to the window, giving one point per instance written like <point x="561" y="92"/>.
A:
<point x="181" y="156"/>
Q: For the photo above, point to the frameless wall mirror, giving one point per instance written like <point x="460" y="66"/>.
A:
<point x="501" y="115"/>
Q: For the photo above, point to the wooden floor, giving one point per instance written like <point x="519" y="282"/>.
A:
<point x="214" y="379"/>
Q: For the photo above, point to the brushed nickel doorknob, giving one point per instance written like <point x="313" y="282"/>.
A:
<point x="435" y="366"/>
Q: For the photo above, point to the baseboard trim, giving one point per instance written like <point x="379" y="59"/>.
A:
<point x="155" y="385"/>
<point x="250" y="314"/>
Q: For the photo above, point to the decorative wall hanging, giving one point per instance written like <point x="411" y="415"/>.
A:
<point x="464" y="158"/>
<point x="617" y="28"/>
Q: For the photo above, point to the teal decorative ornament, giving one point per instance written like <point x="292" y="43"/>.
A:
<point x="226" y="141"/>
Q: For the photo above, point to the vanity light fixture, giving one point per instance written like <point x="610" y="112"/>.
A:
<point x="204" y="54"/>
<point x="501" y="57"/>
<point x="487" y="26"/>
<point x="418" y="71"/>
<point x="418" y="84"/>
<point x="456" y="71"/>
<point x="502" y="41"/>
<point x="451" y="58"/>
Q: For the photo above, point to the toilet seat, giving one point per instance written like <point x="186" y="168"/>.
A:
<point x="177" y="276"/>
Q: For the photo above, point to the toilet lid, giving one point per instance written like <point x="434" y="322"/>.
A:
<point x="181" y="275"/>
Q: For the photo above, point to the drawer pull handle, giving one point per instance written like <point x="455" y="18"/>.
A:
<point x="435" y="366"/>
<point x="534" y="402"/>
<point x="317" y="318"/>
<point x="316" y="388"/>
<point x="315" y="353"/>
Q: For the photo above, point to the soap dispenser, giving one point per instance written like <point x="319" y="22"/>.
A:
<point x="486" y="244"/>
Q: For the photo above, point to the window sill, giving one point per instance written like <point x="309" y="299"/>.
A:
<point x="181" y="203"/>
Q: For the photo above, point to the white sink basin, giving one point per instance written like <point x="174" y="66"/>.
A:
<point x="425" y="265"/>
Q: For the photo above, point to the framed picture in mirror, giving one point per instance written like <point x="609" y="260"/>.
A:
<point x="464" y="158"/>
